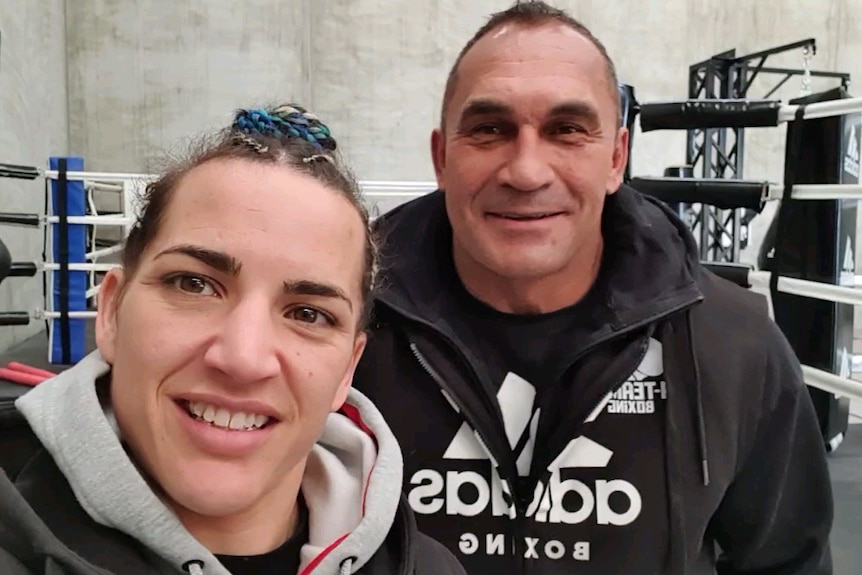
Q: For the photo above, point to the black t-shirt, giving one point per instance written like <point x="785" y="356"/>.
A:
<point x="536" y="347"/>
<point x="611" y="495"/>
<point x="283" y="560"/>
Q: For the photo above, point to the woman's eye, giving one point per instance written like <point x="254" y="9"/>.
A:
<point x="193" y="284"/>
<point x="309" y="315"/>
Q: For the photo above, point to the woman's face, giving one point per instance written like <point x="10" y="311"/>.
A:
<point x="237" y="334"/>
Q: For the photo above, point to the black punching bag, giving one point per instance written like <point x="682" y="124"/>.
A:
<point x="629" y="108"/>
<point x="5" y="261"/>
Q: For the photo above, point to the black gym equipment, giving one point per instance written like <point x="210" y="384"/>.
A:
<point x="810" y="239"/>
<point x="732" y="272"/>
<point x="629" y="107"/>
<point x="722" y="193"/>
<point x="10" y="269"/>
<point x="5" y="261"/>
<point x="715" y="147"/>
<point x="696" y="114"/>
<point x="720" y="150"/>
<point x="20" y="219"/>
<point x="815" y="240"/>
<point x="18" y="172"/>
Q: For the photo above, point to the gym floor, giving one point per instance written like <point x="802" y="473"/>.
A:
<point x="845" y="464"/>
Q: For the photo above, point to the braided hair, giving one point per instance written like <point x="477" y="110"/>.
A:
<point x="285" y="121"/>
<point x="285" y="135"/>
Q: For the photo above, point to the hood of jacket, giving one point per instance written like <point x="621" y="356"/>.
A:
<point x="348" y="482"/>
<point x="651" y="258"/>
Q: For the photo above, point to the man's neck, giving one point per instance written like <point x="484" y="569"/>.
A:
<point x="255" y="531"/>
<point x="532" y="296"/>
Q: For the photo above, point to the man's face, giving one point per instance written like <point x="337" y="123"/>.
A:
<point x="532" y="146"/>
<point x="243" y="312"/>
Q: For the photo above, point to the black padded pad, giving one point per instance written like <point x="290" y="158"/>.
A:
<point x="5" y="261"/>
<point x="10" y="391"/>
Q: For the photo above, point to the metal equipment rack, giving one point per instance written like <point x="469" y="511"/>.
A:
<point x="719" y="152"/>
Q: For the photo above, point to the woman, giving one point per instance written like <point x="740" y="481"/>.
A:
<point x="214" y="430"/>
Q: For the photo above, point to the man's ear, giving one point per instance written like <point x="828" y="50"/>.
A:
<point x="110" y="294"/>
<point x="620" y="161"/>
<point x="438" y="155"/>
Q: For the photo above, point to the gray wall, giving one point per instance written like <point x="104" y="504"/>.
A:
<point x="33" y="126"/>
<point x="144" y="75"/>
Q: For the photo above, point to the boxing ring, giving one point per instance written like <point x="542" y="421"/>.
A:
<point x="74" y="258"/>
<point x="76" y="254"/>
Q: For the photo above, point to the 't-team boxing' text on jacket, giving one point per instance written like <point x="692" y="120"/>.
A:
<point x="73" y="503"/>
<point x="733" y="479"/>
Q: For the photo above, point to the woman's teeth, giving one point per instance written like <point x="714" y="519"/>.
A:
<point x="221" y="417"/>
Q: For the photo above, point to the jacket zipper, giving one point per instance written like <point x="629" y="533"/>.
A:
<point x="619" y="378"/>
<point x="473" y="422"/>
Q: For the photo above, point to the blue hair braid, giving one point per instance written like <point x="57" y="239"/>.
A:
<point x="286" y="121"/>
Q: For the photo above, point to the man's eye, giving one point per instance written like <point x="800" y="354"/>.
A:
<point x="568" y="129"/>
<point x="487" y="129"/>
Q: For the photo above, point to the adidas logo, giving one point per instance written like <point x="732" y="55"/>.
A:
<point x="471" y="493"/>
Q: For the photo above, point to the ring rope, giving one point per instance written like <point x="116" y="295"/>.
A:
<point x="378" y="189"/>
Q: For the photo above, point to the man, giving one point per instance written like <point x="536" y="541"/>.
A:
<point x="572" y="391"/>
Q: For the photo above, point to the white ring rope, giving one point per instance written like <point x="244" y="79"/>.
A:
<point x="840" y="386"/>
<point x="787" y="113"/>
<point x="52" y="315"/>
<point x="816" y="192"/>
<point x="808" y="288"/>
<point x="404" y="189"/>
<point x="130" y="184"/>
<point x="106" y="177"/>
<point x="104" y="252"/>
<point x="73" y="267"/>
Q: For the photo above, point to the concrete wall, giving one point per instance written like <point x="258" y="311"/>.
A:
<point x="144" y="75"/>
<point x="33" y="125"/>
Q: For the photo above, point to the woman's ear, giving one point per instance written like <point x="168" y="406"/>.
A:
<point x="110" y="294"/>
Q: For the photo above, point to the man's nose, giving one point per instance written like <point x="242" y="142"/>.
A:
<point x="528" y="168"/>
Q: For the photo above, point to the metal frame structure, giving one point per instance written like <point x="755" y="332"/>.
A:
<point x="719" y="152"/>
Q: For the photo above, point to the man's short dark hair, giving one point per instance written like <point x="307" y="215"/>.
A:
<point x="529" y="13"/>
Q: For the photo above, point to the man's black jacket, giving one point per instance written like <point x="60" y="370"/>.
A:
<point x="744" y="484"/>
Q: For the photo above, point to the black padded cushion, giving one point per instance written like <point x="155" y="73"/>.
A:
<point x="5" y="261"/>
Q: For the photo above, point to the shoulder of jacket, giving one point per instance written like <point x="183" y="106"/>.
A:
<point x="428" y="556"/>
<point x="722" y="295"/>
<point x="732" y="324"/>
<point x="20" y="444"/>
<point x="433" y="558"/>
